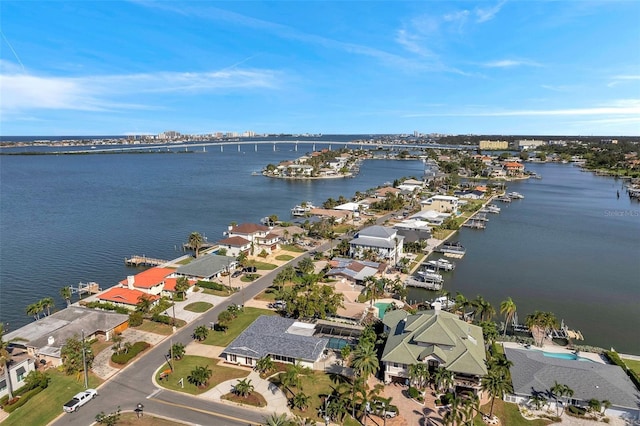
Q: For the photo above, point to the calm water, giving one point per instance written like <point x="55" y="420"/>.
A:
<point x="71" y="218"/>
<point x="570" y="247"/>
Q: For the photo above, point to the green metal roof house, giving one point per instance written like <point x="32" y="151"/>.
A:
<point x="438" y="339"/>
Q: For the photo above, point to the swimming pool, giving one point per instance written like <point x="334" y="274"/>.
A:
<point x="382" y="307"/>
<point x="572" y="357"/>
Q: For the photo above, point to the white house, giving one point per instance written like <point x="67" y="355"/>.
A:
<point x="385" y="242"/>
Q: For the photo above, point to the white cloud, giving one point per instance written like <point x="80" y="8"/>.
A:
<point x="484" y="15"/>
<point x="22" y="91"/>
<point x="618" y="79"/>
<point x="509" y="63"/>
<point x="621" y="107"/>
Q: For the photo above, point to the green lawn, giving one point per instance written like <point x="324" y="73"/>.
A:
<point x="159" y="328"/>
<point x="249" y="278"/>
<point x="264" y="266"/>
<point x="221" y="293"/>
<point x="632" y="364"/>
<point x="45" y="406"/>
<point x="509" y="415"/>
<point x="237" y="326"/>
<point x="183" y="368"/>
<point x="295" y="249"/>
<point x="198" y="307"/>
<point x="186" y="261"/>
<point x="269" y="294"/>
<point x="284" y="257"/>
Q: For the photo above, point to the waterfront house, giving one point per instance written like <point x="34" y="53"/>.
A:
<point x="386" y="191"/>
<point x="383" y="241"/>
<point x="260" y="236"/>
<point x="20" y="365"/>
<point x="235" y="245"/>
<point x="410" y="185"/>
<point x="535" y="371"/>
<point x="150" y="281"/>
<point x="169" y="289"/>
<point x="432" y="217"/>
<point x="43" y="339"/>
<point x="441" y="204"/>
<point x="208" y="267"/>
<point x="435" y="338"/>
<point x="413" y="230"/>
<point x="514" y="168"/>
<point x="283" y="339"/>
<point x="339" y="216"/>
<point x="288" y="233"/>
<point x="126" y="297"/>
<point x="354" y="271"/>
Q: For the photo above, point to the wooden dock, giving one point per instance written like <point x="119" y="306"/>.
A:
<point x="454" y="255"/>
<point x="429" y="285"/>
<point x="144" y="261"/>
<point x="88" y="288"/>
<point x="475" y="224"/>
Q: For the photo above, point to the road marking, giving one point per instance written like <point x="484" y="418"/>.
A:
<point x="212" y="413"/>
<point x="155" y="392"/>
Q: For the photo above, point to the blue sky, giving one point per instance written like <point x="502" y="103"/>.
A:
<point x="490" y="67"/>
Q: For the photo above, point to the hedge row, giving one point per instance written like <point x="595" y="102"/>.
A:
<point x="123" y="358"/>
<point x="211" y="285"/>
<point x="163" y="319"/>
<point x="615" y="358"/>
<point x="23" y="400"/>
<point x="107" y="307"/>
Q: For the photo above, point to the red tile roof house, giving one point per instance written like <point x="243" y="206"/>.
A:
<point x="514" y="168"/>
<point x="260" y="235"/>
<point x="149" y="283"/>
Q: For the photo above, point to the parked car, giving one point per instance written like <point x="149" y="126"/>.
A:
<point x="236" y="274"/>
<point x="79" y="400"/>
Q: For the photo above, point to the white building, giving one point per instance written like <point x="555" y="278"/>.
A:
<point x="383" y="241"/>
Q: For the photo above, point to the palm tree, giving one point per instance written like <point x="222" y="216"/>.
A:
<point x="200" y="376"/>
<point x="47" y="303"/>
<point x="419" y="374"/>
<point x="201" y="332"/>
<point x="301" y="401"/>
<point x="507" y="307"/>
<point x="462" y="303"/>
<point x="561" y="391"/>
<point x="538" y="400"/>
<point x="33" y="310"/>
<point x="484" y="309"/>
<point x="195" y="242"/>
<point x="470" y="405"/>
<point x="540" y="323"/>
<point x="144" y="304"/>
<point x="117" y="342"/>
<point x="365" y="360"/>
<point x="264" y="364"/>
<point x="277" y="420"/>
<point x="65" y="293"/>
<point x="177" y="350"/>
<point x="306" y="265"/>
<point x="243" y="388"/>
<point x="443" y="379"/>
<point x="454" y="414"/>
<point x="182" y="285"/>
<point x="5" y="360"/>
<point x="496" y="384"/>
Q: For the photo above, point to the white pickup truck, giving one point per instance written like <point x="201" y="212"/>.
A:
<point x="79" y="400"/>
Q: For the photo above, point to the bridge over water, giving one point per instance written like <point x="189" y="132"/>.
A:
<point x="222" y="144"/>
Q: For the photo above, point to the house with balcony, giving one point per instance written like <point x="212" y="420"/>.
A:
<point x="514" y="168"/>
<point x="235" y="245"/>
<point x="437" y="339"/>
<point x="20" y="365"/>
<point x="385" y="242"/>
<point x="260" y="237"/>
<point x="354" y="271"/>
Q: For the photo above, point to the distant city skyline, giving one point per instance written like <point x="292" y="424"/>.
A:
<point x="352" y="67"/>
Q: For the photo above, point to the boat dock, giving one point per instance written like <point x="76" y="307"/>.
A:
<point x="429" y="285"/>
<point x="144" y="261"/>
<point x="475" y="224"/>
<point x="85" y="288"/>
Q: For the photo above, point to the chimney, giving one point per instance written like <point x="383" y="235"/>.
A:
<point x="50" y="340"/>
<point x="130" y="280"/>
<point x="437" y="307"/>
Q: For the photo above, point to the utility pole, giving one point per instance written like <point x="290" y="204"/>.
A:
<point x="84" y="363"/>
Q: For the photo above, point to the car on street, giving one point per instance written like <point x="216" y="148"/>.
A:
<point x="79" y="400"/>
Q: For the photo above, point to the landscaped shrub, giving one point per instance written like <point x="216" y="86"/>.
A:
<point x="413" y="392"/>
<point x="135" y="319"/>
<point x="22" y="400"/>
<point x="107" y="307"/>
<point x="576" y="411"/>
<point x="163" y="319"/>
<point x="212" y="285"/>
<point x="123" y="358"/>
<point x="615" y="358"/>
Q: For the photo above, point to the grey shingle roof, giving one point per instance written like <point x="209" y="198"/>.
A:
<point x="532" y="371"/>
<point x="207" y="266"/>
<point x="377" y="231"/>
<point x="268" y="335"/>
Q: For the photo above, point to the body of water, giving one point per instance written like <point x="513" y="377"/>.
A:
<point x="71" y="218"/>
<point x="571" y="247"/>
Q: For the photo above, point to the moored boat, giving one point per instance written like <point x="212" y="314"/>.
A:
<point x="443" y="264"/>
<point x="302" y="209"/>
<point x="515" y="195"/>
<point x="452" y="247"/>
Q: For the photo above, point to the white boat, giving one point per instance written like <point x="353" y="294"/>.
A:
<point x="515" y="195"/>
<point x="302" y="209"/>
<point x="445" y="303"/>
<point x="492" y="208"/>
<point x="428" y="276"/>
<point x="444" y="264"/>
<point x="504" y="199"/>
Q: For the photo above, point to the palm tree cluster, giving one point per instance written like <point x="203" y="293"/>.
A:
<point x="200" y="376"/>
<point x="462" y="409"/>
<point x="498" y="381"/>
<point x="540" y="323"/>
<point x="562" y="394"/>
<point x="42" y="305"/>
